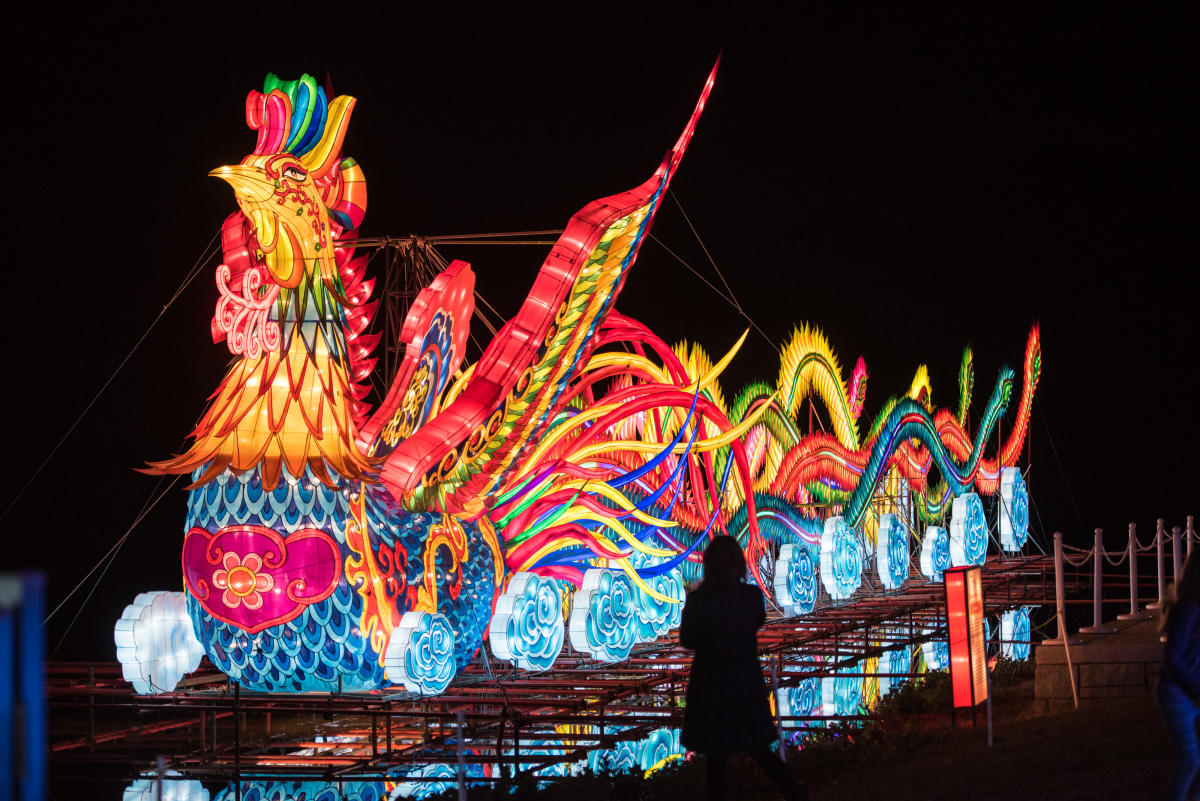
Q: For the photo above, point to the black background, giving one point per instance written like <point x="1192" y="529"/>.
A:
<point x="909" y="185"/>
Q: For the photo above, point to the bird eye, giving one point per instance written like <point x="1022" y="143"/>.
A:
<point x="294" y="173"/>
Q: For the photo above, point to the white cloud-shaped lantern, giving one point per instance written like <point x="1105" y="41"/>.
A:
<point x="968" y="531"/>
<point x="841" y="559"/>
<point x="527" y="628"/>
<point x="1014" y="510"/>
<point x="156" y="644"/>
<point x="796" y="579"/>
<point x="891" y="551"/>
<point x="935" y="553"/>
<point x="603" y="617"/>
<point x="420" y="654"/>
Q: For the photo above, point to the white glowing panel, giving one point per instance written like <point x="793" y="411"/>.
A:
<point x="796" y="579"/>
<point x="603" y="616"/>
<point x="420" y="654"/>
<point x="891" y="551"/>
<point x="841" y="559"/>
<point x="527" y="628"/>
<point x="935" y="553"/>
<point x="1015" y="634"/>
<point x="968" y="531"/>
<point x="156" y="645"/>
<point x="1014" y="510"/>
<point x="172" y="787"/>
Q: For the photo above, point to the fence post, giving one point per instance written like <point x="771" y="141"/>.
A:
<point x="1160" y="541"/>
<point x="1059" y="594"/>
<point x="1097" y="626"/>
<point x="1134" y="614"/>
<point x="1176" y="555"/>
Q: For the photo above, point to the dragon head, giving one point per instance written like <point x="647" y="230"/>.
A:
<point x="858" y="387"/>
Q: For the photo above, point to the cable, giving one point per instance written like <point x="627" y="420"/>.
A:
<point x="732" y="299"/>
<point x="199" y="264"/>
<point x="146" y="508"/>
<point x="1058" y="461"/>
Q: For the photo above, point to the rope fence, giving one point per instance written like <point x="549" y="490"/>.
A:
<point x="1181" y="542"/>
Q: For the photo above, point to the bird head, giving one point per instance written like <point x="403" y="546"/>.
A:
<point x="279" y="197"/>
<point x="297" y="193"/>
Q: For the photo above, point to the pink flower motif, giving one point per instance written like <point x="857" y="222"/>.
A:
<point x="241" y="581"/>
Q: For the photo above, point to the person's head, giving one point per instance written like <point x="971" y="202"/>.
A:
<point x="724" y="563"/>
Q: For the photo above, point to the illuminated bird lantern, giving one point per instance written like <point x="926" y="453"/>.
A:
<point x="580" y="464"/>
<point x="326" y="547"/>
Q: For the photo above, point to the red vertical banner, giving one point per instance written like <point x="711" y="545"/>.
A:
<point x="964" y="619"/>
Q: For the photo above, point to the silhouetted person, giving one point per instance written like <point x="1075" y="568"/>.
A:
<point x="1179" y="681"/>
<point x="727" y="709"/>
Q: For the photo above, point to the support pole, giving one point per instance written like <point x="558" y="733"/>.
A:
<point x="778" y="722"/>
<point x="1097" y="626"/>
<point x="1160" y="541"/>
<point x="1176" y="555"/>
<point x="1060" y="606"/>
<point x="462" y="765"/>
<point x="1134" y="614"/>
<point x="1191" y="534"/>
<point x="237" y="738"/>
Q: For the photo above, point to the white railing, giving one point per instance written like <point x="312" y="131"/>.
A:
<point x="1066" y="555"/>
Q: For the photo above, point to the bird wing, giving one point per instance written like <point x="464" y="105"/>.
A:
<point x="462" y="455"/>
<point x="435" y="335"/>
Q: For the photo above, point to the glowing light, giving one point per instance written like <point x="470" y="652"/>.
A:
<point x="796" y="579"/>
<point x="892" y="551"/>
<point x="603" y="622"/>
<point x="1014" y="510"/>
<point x="802" y="700"/>
<point x="155" y="642"/>
<point x="841" y="559"/>
<point x="894" y="667"/>
<point x="841" y="694"/>
<point x="968" y="531"/>
<point x="175" y="788"/>
<point x="527" y="628"/>
<point x="656" y="617"/>
<point x="935" y="553"/>
<point x="1015" y="634"/>
<point x="420" y="654"/>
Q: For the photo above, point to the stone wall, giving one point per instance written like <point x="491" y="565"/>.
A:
<point x="1121" y="664"/>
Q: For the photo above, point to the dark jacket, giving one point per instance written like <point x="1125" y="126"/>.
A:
<point x="727" y="707"/>
<point x="1181" y="657"/>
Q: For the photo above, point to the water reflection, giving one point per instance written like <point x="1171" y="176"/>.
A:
<point x="641" y="757"/>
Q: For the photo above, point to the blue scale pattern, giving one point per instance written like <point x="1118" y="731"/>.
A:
<point x="324" y="642"/>
<point x="305" y="791"/>
<point x="239" y="500"/>
<point x="305" y="654"/>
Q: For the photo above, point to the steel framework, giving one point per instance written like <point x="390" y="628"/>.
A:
<point x="209" y="729"/>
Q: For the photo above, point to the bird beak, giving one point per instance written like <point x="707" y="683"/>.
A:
<point x="249" y="183"/>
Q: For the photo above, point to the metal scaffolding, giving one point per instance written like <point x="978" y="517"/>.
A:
<point x="209" y="729"/>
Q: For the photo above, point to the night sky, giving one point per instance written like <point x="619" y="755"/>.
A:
<point x="910" y="187"/>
